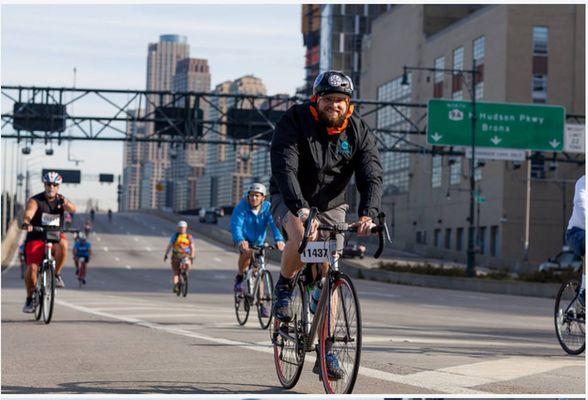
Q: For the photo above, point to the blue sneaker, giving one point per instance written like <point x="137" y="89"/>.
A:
<point x="282" y="297"/>
<point x="334" y="371"/>
<point x="238" y="287"/>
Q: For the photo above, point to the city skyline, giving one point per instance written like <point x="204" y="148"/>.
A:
<point x="42" y="44"/>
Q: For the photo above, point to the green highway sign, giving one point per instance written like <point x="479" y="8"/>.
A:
<point x="499" y="125"/>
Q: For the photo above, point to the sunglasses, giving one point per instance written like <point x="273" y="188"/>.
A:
<point x="52" y="184"/>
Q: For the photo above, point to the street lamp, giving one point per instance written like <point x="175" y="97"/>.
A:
<point x="471" y="260"/>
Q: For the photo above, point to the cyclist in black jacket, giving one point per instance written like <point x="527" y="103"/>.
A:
<point x="316" y="149"/>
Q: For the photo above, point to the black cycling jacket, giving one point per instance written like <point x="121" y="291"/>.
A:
<point x="312" y="169"/>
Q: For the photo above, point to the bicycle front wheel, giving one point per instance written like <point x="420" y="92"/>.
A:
<point x="340" y="338"/>
<point x="184" y="279"/>
<point x="288" y="340"/>
<point x="48" y="278"/>
<point x="38" y="297"/>
<point x="264" y="299"/>
<point x="570" y="318"/>
<point x="242" y="304"/>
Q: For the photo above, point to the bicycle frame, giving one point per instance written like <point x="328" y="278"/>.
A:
<point x="48" y="258"/>
<point x="260" y="255"/>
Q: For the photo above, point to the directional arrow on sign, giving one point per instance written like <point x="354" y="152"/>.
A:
<point x="436" y="137"/>
<point x="554" y="143"/>
<point x="496" y="140"/>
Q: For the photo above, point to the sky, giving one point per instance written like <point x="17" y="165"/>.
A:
<point x="107" y="44"/>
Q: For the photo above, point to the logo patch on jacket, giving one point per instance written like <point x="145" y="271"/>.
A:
<point x="343" y="146"/>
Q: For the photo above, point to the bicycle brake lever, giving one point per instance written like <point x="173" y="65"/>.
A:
<point x="382" y="220"/>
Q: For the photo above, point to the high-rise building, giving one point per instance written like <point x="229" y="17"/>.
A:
<point x="187" y="162"/>
<point x="132" y="164"/>
<point x="526" y="54"/>
<point x="227" y="166"/>
<point x="332" y="35"/>
<point x="311" y="37"/>
<point x="162" y="59"/>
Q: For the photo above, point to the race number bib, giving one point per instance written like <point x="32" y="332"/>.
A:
<point x="315" y="252"/>
<point x="50" y="219"/>
<point x="82" y="259"/>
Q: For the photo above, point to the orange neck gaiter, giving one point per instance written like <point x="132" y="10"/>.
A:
<point x="331" y="131"/>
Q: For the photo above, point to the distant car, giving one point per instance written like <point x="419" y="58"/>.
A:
<point x="566" y="259"/>
<point x="210" y="217"/>
<point x="220" y="212"/>
<point x="353" y="249"/>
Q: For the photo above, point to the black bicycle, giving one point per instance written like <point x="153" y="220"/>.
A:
<point x="44" y="293"/>
<point x="183" y="282"/>
<point x="337" y="318"/>
<point x="257" y="289"/>
<point x="570" y="317"/>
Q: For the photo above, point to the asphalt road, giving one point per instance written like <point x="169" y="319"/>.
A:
<point x="126" y="332"/>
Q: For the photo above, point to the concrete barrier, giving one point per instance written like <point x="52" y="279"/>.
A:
<point x="10" y="242"/>
<point x="356" y="270"/>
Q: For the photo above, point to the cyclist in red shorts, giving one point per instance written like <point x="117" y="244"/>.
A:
<point x="45" y="208"/>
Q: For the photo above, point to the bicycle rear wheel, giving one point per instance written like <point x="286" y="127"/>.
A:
<point x="242" y="303"/>
<point x="340" y="337"/>
<point x="48" y="277"/>
<point x="288" y="340"/>
<point x="570" y="318"/>
<point x="266" y="286"/>
<point x="184" y="280"/>
<point x="81" y="274"/>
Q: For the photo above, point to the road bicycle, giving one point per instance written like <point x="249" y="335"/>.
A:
<point x="257" y="289"/>
<point x="44" y="293"/>
<point x="570" y="317"/>
<point x="183" y="278"/>
<point x="337" y="318"/>
<point x="82" y="263"/>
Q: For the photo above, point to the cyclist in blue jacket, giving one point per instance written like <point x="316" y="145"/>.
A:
<point x="249" y="224"/>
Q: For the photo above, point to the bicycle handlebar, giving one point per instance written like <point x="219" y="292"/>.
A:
<point x="381" y="229"/>
<point x="49" y="228"/>
<point x="265" y="246"/>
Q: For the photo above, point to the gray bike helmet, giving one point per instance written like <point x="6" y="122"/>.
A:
<point x="257" y="187"/>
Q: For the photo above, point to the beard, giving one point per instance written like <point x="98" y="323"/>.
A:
<point x="331" y="122"/>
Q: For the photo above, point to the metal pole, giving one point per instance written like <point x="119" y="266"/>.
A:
<point x="4" y="166"/>
<point x="12" y="180"/>
<point x="393" y="219"/>
<point x="527" y="210"/>
<point x="563" y="218"/>
<point x="471" y="255"/>
<point x="27" y="188"/>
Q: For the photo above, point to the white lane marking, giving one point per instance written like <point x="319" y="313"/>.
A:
<point x="116" y="259"/>
<point x="161" y="316"/>
<point x="98" y="238"/>
<point x="217" y="259"/>
<point x="448" y="341"/>
<point x="512" y="368"/>
<point x="105" y="248"/>
<point x="128" y="267"/>
<point x="136" y="239"/>
<point x="433" y="380"/>
<point x="148" y="248"/>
